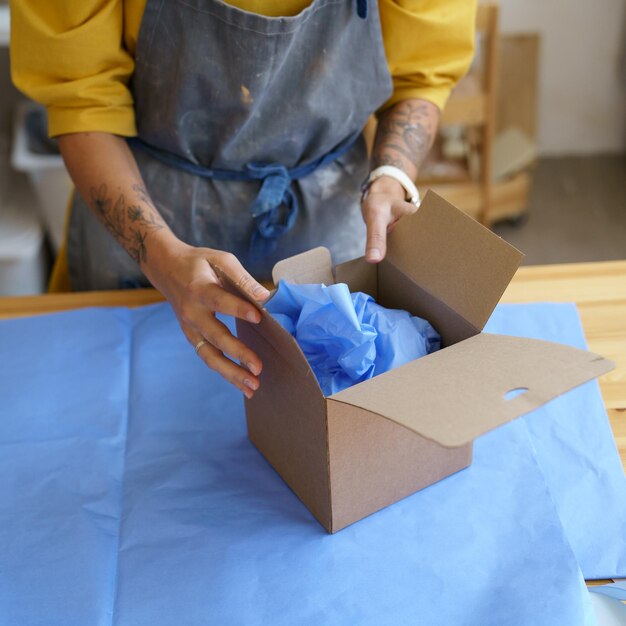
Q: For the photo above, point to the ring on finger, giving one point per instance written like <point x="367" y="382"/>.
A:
<point x="199" y="345"/>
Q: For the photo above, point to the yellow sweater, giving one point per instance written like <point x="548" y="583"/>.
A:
<point x="77" y="56"/>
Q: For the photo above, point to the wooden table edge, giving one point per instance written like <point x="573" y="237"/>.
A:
<point x="526" y="276"/>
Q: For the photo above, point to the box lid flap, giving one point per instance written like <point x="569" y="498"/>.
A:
<point x="312" y="266"/>
<point x="285" y="346"/>
<point x="454" y="395"/>
<point x="454" y="258"/>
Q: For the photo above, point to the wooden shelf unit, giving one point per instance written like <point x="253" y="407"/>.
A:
<point x="473" y="104"/>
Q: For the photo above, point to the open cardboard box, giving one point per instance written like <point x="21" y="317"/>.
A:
<point x="359" y="450"/>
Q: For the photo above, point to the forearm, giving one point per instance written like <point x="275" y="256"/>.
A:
<point x="107" y="177"/>
<point x="405" y="134"/>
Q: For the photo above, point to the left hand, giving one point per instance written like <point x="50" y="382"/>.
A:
<point x="382" y="208"/>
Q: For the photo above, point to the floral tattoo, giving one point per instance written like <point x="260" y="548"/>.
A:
<point x="130" y="224"/>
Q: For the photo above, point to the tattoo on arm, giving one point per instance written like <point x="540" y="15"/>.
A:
<point x="141" y="192"/>
<point x="405" y="134"/>
<point x="130" y="224"/>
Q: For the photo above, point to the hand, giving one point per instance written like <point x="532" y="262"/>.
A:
<point x="185" y="277"/>
<point x="382" y="208"/>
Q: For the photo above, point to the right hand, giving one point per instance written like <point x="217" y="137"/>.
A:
<point x="183" y="274"/>
<point x="382" y="209"/>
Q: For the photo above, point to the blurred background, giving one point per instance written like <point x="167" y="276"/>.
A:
<point x="532" y="143"/>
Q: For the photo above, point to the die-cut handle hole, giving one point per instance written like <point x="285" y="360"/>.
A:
<point x="513" y="393"/>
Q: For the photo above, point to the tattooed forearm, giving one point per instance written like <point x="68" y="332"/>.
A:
<point x="405" y="134"/>
<point x="142" y="194"/>
<point x="130" y="224"/>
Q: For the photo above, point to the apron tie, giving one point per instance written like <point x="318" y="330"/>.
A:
<point x="275" y="191"/>
<point x="275" y="180"/>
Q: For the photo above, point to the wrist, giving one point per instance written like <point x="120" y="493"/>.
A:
<point x="387" y="185"/>
<point x="411" y="193"/>
<point x="164" y="248"/>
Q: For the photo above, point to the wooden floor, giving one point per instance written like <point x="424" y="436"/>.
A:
<point x="577" y="211"/>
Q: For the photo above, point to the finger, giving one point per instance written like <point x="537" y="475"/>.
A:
<point x="376" y="246"/>
<point x="217" y="299"/>
<point x="220" y="337"/>
<point x="237" y="273"/>
<point x="392" y="225"/>
<point x="241" y="378"/>
<point x="229" y="370"/>
<point x="400" y="208"/>
<point x="233" y="373"/>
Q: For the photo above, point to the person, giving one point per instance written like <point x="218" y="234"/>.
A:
<point x="202" y="133"/>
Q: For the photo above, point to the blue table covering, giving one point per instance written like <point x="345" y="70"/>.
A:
<point x="130" y="495"/>
<point x="574" y="446"/>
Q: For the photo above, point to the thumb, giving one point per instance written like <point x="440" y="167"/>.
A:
<point x="376" y="246"/>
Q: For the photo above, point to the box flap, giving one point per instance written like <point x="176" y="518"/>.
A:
<point x="286" y="418"/>
<point x="286" y="421"/>
<point x="285" y="346"/>
<point x="359" y="275"/>
<point x="313" y="266"/>
<point x="459" y="393"/>
<point x="454" y="258"/>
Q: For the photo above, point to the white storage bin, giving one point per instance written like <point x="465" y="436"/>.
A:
<point x="31" y="154"/>
<point x="5" y="25"/>
<point x="23" y="262"/>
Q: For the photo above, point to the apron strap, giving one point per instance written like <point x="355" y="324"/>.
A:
<point x="361" y="8"/>
<point x="275" y="183"/>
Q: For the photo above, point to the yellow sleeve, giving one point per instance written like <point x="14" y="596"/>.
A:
<point x="429" y="46"/>
<point x="69" y="55"/>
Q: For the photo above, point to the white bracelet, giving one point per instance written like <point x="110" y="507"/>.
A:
<point x="412" y="194"/>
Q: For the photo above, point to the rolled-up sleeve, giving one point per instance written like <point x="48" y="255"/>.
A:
<point x="429" y="46"/>
<point x="69" y="55"/>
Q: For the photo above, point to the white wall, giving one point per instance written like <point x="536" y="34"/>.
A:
<point x="582" y="91"/>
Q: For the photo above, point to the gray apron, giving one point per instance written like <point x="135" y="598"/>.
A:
<point x="223" y="89"/>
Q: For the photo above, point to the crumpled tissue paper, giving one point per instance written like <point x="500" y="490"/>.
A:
<point x="348" y="338"/>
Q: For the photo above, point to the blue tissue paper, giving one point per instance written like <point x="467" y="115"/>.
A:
<point x="348" y="338"/>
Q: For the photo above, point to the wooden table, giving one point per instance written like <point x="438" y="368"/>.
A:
<point x="598" y="289"/>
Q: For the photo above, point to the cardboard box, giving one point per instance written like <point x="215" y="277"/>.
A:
<point x="359" y="450"/>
